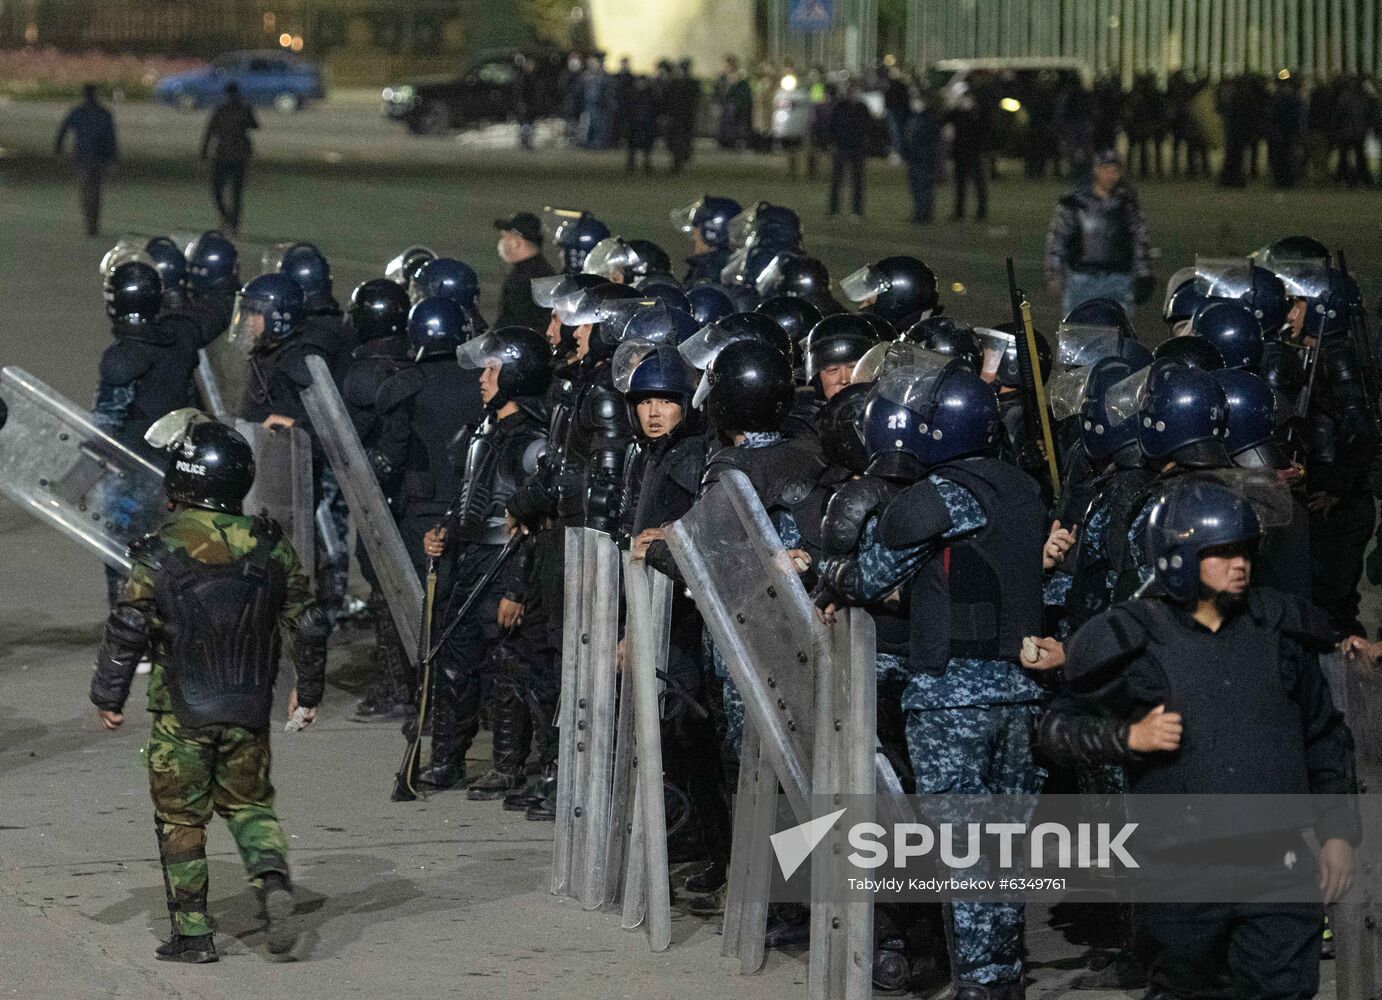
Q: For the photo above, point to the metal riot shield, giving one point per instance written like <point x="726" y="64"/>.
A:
<point x="647" y="632"/>
<point x="750" y="856"/>
<point x="283" y="485"/>
<point x="374" y="522"/>
<point x="585" y="764"/>
<point x="1357" y="919"/>
<point x="842" y="775"/>
<point x="761" y="620"/>
<point x="227" y="366"/>
<point x="63" y="469"/>
<point x="209" y="389"/>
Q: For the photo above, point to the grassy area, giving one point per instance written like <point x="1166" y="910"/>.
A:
<point x="362" y="210"/>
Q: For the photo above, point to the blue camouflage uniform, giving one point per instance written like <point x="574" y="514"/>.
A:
<point x="968" y="731"/>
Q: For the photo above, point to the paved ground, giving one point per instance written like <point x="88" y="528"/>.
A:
<point x="447" y="897"/>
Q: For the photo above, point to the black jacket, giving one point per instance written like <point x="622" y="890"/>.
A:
<point x="516" y="305"/>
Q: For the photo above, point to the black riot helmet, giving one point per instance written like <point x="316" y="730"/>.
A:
<point x="709" y="303"/>
<point x="656" y="259"/>
<point x="1232" y="329"/>
<point x="169" y="261"/>
<point x="378" y="308"/>
<point x="587" y="307"/>
<point x="840" y="425"/>
<point x="796" y="316"/>
<point x="946" y="335"/>
<point x="1009" y="373"/>
<point x="134" y="293"/>
<point x="790" y="274"/>
<point x="404" y="267"/>
<point x="576" y="236"/>
<point x="751" y="388"/>
<point x="894" y="287"/>
<point x="1101" y="312"/>
<point x="209" y="464"/>
<point x="837" y="340"/>
<point x="1195" y="352"/>
<point x="523" y="356"/>
<point x="436" y="327"/>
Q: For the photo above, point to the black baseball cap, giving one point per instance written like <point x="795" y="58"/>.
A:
<point x="525" y="224"/>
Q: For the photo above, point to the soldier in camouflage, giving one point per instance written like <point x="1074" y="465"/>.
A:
<point x="206" y="598"/>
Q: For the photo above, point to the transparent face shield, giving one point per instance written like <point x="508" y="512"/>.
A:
<point x="248" y="322"/>
<point x="1274" y="259"/>
<point x="995" y="345"/>
<point x="397" y="269"/>
<point x="1269" y="494"/>
<point x="770" y="276"/>
<point x="864" y="284"/>
<point x="611" y="256"/>
<point x="123" y="253"/>
<point x="546" y="291"/>
<point x="578" y="308"/>
<point x="632" y="353"/>
<point x="736" y="268"/>
<point x="683" y="219"/>
<point x="554" y="218"/>
<point x="913" y="389"/>
<point x="1079" y="344"/>
<point x="882" y="359"/>
<point x="1223" y="278"/>
<point x="271" y="261"/>
<point x="1124" y="399"/>
<point x="485" y="351"/>
<point x="616" y="315"/>
<point x="169" y="431"/>
<point x="1304" y="280"/>
<point x="741" y="227"/>
<point x="1065" y="392"/>
<point x="701" y="348"/>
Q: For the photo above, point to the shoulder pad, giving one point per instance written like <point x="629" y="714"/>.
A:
<point x="148" y="550"/>
<point x="399" y="387"/>
<point x="294" y="362"/>
<point x="532" y="455"/>
<point x="1293" y="616"/>
<point x="537" y="408"/>
<point x="606" y="410"/>
<point x="687" y="463"/>
<point x="916" y="515"/>
<point x="1107" y="639"/>
<point x="123" y="363"/>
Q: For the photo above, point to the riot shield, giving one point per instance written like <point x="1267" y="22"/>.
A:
<point x="209" y="388"/>
<point x="1357" y="918"/>
<point x="373" y="520"/>
<point x="227" y="365"/>
<point x="283" y="485"/>
<point x="590" y="635"/>
<point x="841" y="960"/>
<point x="647" y="632"/>
<point x="760" y="618"/>
<point x="63" y="469"/>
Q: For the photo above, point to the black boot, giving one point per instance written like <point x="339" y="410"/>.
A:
<point x="1125" y="972"/>
<point x="280" y="922"/>
<point x="447" y="766"/>
<point x="544" y="812"/>
<point x="197" y="950"/>
<point x="990" y="991"/>
<point x="507" y="772"/>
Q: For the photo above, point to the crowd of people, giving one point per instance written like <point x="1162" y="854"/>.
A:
<point x="1029" y="625"/>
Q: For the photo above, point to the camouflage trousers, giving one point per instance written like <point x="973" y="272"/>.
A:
<point x="191" y="773"/>
<point x="978" y="750"/>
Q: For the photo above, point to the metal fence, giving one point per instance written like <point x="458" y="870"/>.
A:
<point x="849" y="42"/>
<point x="1213" y="38"/>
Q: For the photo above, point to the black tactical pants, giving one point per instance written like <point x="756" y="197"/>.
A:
<point x="1337" y="541"/>
<point x="457" y="673"/>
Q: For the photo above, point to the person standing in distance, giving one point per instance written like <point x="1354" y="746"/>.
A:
<point x="229" y="129"/>
<point x="93" y="151"/>
<point x="520" y="247"/>
<point x="207" y="596"/>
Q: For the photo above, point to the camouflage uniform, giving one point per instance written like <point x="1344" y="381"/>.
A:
<point x="225" y="768"/>
<point x="968" y="730"/>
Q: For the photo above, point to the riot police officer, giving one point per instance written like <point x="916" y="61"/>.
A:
<point x="213" y="279"/>
<point x="901" y="289"/>
<point x="207" y="596"/>
<point x="706" y="221"/>
<point x="964" y="539"/>
<point x="449" y="278"/>
<point x="144" y="374"/>
<point x="500" y="455"/>
<point x="1233" y="330"/>
<point x="575" y="237"/>
<point x="832" y="349"/>
<point x="1208" y="653"/>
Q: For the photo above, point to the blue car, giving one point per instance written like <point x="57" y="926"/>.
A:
<point x="267" y="78"/>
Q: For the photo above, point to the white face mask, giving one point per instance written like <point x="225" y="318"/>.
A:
<point x="502" y="254"/>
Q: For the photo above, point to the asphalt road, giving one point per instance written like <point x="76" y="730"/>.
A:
<point x="441" y="898"/>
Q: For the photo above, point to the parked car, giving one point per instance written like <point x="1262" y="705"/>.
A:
<point x="483" y="92"/>
<point x="268" y="78"/>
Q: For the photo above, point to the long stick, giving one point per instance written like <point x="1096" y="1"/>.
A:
<point x="1029" y="365"/>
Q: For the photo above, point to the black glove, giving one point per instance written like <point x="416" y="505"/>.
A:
<point x="847" y="511"/>
<point x="1142" y="287"/>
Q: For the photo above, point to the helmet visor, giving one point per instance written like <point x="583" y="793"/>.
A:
<point x="248" y="321"/>
<point x="554" y="218"/>
<point x="741" y="227"/>
<point x="611" y="256"/>
<point x="770" y="277"/>
<point x="271" y="261"/>
<point x="124" y="253"/>
<point x="577" y="308"/>
<point x="913" y="388"/>
<point x="1124" y="398"/>
<point x="1079" y="344"/>
<point x="632" y="353"/>
<point x="615" y="315"/>
<point x="702" y="347"/>
<point x="1304" y="280"/>
<point x="864" y="284"/>
<point x="684" y="218"/>
<point x="546" y="291"/>
<point x="736" y="268"/>
<point x="1173" y="286"/>
<point x="1065" y="392"/>
<point x="397" y="269"/>
<point x="1268" y="493"/>
<point x="899" y="355"/>
<point x="1294" y="253"/>
<point x="484" y="351"/>
<point x="171" y="429"/>
<point x="995" y="344"/>
<point x="1221" y="278"/>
